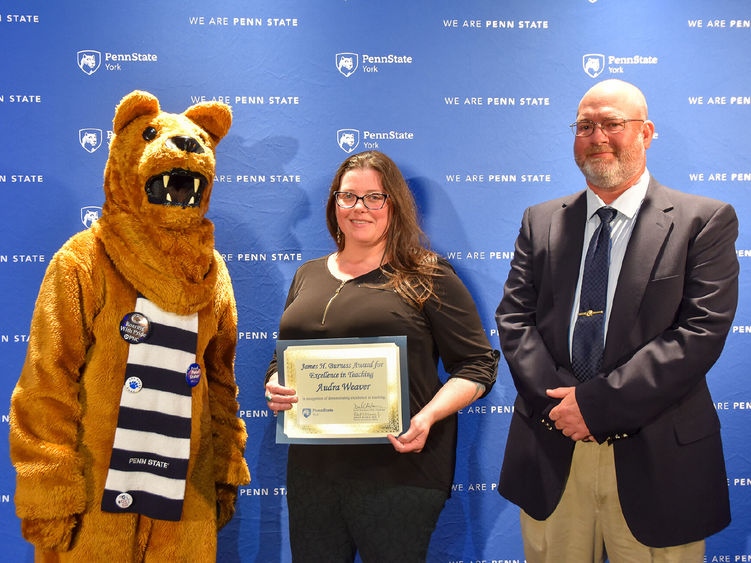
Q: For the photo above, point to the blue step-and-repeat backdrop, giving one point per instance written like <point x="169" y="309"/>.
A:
<point x="472" y="100"/>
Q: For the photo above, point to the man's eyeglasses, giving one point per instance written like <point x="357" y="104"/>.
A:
<point x="611" y="126"/>
<point x="372" y="201"/>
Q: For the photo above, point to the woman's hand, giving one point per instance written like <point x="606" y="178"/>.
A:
<point x="278" y="397"/>
<point x="456" y="394"/>
<point x="413" y="440"/>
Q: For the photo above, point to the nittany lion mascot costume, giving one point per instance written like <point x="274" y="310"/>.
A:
<point x="123" y="427"/>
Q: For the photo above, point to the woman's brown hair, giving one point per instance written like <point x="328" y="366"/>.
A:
<point x="412" y="264"/>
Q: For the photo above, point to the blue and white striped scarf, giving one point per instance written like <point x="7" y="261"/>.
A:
<point x="149" y="462"/>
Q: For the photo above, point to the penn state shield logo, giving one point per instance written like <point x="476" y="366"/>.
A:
<point x="90" y="139"/>
<point x="347" y="63"/>
<point x="348" y="139"/>
<point x="306" y="413"/>
<point x="89" y="214"/>
<point x="89" y="61"/>
<point x="593" y="64"/>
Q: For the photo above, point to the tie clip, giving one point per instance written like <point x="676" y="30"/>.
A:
<point x="589" y="313"/>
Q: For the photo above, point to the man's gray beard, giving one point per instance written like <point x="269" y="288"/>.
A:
<point x="609" y="175"/>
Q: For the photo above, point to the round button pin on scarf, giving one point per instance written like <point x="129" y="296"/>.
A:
<point x="133" y="384"/>
<point x="124" y="500"/>
<point x="135" y="328"/>
<point x="193" y="375"/>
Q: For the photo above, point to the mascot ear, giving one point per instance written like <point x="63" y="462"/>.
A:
<point x="214" y="117"/>
<point x="134" y="105"/>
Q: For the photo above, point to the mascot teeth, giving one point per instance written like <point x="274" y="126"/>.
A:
<point x="177" y="187"/>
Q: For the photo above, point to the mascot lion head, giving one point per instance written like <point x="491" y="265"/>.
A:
<point x="161" y="165"/>
<point x="157" y="186"/>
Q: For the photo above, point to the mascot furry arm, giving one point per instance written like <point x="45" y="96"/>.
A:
<point x="153" y="243"/>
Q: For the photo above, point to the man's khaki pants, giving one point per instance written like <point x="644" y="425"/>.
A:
<point x="588" y="525"/>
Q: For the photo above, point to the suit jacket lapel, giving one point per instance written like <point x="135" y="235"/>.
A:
<point x="566" y="241"/>
<point x="648" y="237"/>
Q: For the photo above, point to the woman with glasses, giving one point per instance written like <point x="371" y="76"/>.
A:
<point x="382" y="500"/>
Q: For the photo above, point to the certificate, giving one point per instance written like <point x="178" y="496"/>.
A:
<point x="349" y="390"/>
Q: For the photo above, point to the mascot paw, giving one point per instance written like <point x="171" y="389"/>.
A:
<point x="225" y="504"/>
<point x="49" y="533"/>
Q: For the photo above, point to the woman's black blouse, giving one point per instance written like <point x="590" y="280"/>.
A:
<point x="448" y="327"/>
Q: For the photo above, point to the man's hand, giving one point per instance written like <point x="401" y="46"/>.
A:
<point x="567" y="416"/>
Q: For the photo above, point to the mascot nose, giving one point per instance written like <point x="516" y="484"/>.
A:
<point x="187" y="144"/>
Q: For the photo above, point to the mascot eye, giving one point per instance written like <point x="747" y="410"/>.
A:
<point x="149" y="133"/>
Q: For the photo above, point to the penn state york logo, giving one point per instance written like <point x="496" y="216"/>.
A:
<point x="593" y="64"/>
<point x="90" y="139"/>
<point x="89" y="214"/>
<point x="89" y="61"/>
<point x="306" y="413"/>
<point x="347" y="63"/>
<point x="348" y="139"/>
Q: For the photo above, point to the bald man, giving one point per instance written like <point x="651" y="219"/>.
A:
<point x="614" y="447"/>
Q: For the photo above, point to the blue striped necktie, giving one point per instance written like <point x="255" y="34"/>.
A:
<point x="588" y="341"/>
